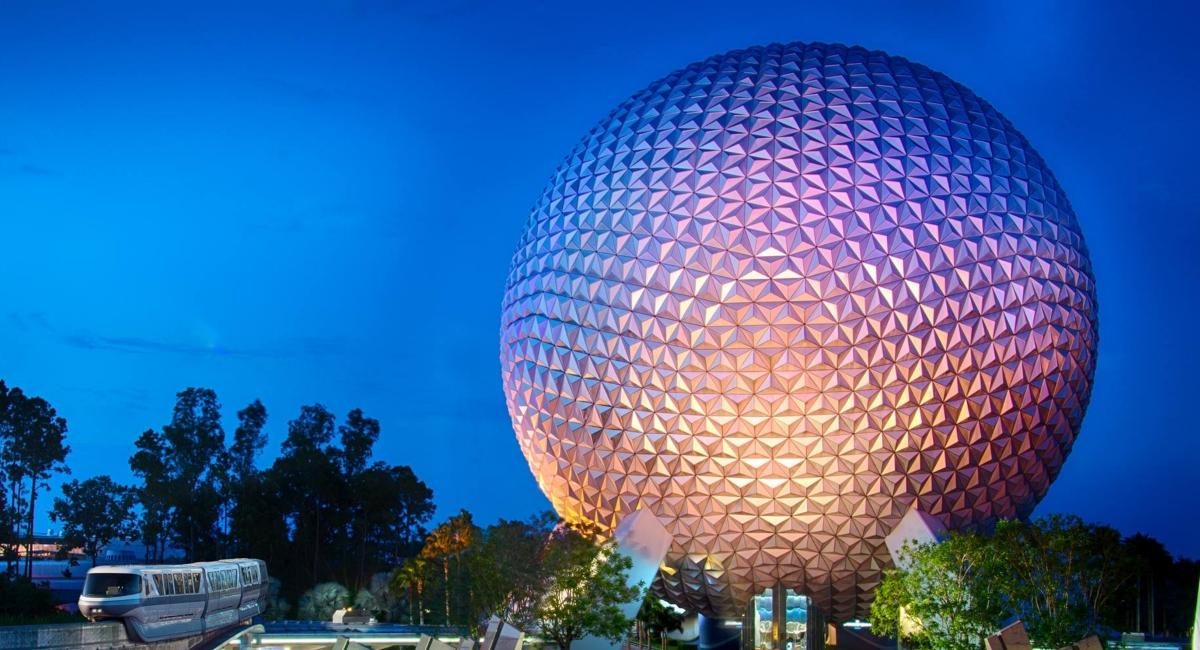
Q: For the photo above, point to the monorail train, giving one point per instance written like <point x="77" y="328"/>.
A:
<point x="166" y="601"/>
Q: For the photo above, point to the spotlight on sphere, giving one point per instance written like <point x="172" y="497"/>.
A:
<point x="784" y="295"/>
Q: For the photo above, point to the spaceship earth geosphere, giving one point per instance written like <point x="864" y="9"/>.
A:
<point x="785" y="294"/>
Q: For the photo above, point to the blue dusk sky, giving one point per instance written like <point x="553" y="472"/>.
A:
<point x="319" y="202"/>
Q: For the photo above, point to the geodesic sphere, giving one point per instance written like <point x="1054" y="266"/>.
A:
<point x="783" y="295"/>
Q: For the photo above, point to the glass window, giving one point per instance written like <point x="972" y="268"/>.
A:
<point x="178" y="579"/>
<point x="111" y="584"/>
<point x="223" y="579"/>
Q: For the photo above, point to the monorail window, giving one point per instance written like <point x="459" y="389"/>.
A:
<point x="222" y="579"/>
<point x="112" y="584"/>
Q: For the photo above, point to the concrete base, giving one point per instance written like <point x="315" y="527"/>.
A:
<point x="716" y="634"/>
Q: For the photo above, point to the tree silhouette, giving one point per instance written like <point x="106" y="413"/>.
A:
<point x="34" y="449"/>
<point x="93" y="513"/>
<point x="155" y="494"/>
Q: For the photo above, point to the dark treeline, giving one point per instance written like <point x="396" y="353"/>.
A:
<point x="323" y="511"/>
<point x="338" y="527"/>
<point x="32" y="449"/>
<point x="1159" y="597"/>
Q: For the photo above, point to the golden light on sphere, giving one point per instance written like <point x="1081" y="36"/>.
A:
<point x="783" y="295"/>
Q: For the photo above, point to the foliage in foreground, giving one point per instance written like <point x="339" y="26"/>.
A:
<point x="948" y="588"/>
<point x="320" y="602"/>
<point x="586" y="584"/>
<point x="1058" y="575"/>
<point x="535" y="575"/>
<point x="21" y="599"/>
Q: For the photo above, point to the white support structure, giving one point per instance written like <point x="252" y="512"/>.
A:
<point x="643" y="539"/>
<point x="915" y="526"/>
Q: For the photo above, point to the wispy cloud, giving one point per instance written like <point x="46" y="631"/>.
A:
<point x="30" y="321"/>
<point x="139" y="345"/>
<point x="34" y="170"/>
<point x="38" y="323"/>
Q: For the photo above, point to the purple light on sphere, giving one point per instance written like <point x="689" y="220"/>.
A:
<point x="785" y="294"/>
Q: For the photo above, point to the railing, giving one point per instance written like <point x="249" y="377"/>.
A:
<point x="278" y="627"/>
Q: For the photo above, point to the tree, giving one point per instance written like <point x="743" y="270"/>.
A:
<point x="358" y="434"/>
<point x="34" y="449"/>
<point x="258" y="524"/>
<point x="149" y="463"/>
<point x="321" y="512"/>
<point x="1059" y="574"/>
<point x="951" y="588"/>
<point x="409" y="580"/>
<point x="310" y="481"/>
<point x="389" y="504"/>
<point x="248" y="439"/>
<point x="447" y="541"/>
<point x="891" y="596"/>
<point x="378" y="598"/>
<point x="244" y="480"/>
<point x="504" y="566"/>
<point x="586" y="584"/>
<point x="320" y="602"/>
<point x="22" y="600"/>
<point x="345" y="519"/>
<point x="195" y="445"/>
<point x="277" y="608"/>
<point x="94" y="513"/>
<point x="658" y="618"/>
<point x="1151" y="566"/>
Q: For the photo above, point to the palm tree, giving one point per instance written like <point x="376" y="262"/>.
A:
<point x="450" y="538"/>
<point x="410" y="578"/>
